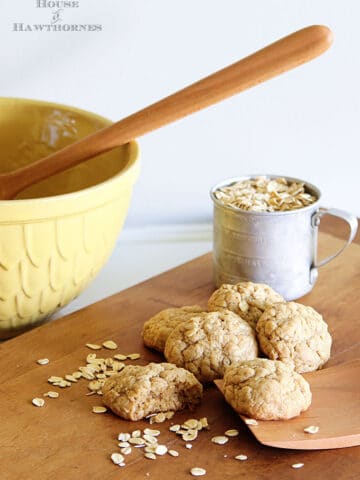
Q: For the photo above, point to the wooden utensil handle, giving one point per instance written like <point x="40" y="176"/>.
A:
<point x="286" y="53"/>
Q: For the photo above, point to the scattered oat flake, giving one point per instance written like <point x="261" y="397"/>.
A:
<point x="150" y="439"/>
<point x="94" y="385"/>
<point x="110" y="345"/>
<point x="150" y="455"/>
<point x="241" y="457"/>
<point x="161" y="449"/>
<point x="38" y="402"/>
<point x="188" y="446"/>
<point x="138" y="442"/>
<point x="152" y="432"/>
<point x="159" y="418"/>
<point x="191" y="423"/>
<point x="63" y="384"/>
<point x="311" y="429"/>
<point x="117" y="458"/>
<point x="199" y="426"/>
<point x="124" y="437"/>
<point x="150" y="448"/>
<point x="198" y="472"/>
<point x="173" y="453"/>
<point x="297" y="465"/>
<point x="175" y="428"/>
<point x="136" y="434"/>
<point x="88" y="369"/>
<point x="93" y="346"/>
<point x="232" y="433"/>
<point x="250" y="421"/>
<point x="51" y="394"/>
<point x="70" y="378"/>
<point x="133" y="356"/>
<point x="43" y="361"/>
<point x="77" y="375"/>
<point x="90" y="357"/>
<point x="126" y="450"/>
<point x="118" y="366"/>
<point x="54" y="379"/>
<point x="124" y="444"/>
<point x="99" y="409"/>
<point x="120" y="356"/>
<point x="204" y="422"/>
<point x="220" y="440"/>
<point x="190" y="435"/>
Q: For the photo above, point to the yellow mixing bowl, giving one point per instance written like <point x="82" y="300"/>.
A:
<point x="56" y="235"/>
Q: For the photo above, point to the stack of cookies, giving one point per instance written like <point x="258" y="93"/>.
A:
<point x="241" y="322"/>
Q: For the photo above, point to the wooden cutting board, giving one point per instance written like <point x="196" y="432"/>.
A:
<point x="64" y="440"/>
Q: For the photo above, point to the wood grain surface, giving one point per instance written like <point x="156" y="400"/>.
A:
<point x="64" y="440"/>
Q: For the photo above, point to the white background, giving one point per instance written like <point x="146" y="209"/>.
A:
<point x="305" y="123"/>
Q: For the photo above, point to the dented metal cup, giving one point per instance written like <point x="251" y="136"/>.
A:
<point x="276" y="248"/>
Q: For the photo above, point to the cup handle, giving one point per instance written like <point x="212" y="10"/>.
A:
<point x="348" y="217"/>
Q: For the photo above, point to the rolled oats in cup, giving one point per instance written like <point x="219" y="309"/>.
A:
<point x="263" y="194"/>
<point x="265" y="231"/>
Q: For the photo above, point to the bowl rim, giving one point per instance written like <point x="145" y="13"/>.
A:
<point x="131" y="167"/>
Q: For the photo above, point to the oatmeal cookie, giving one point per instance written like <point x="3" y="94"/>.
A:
<point x="295" y="334"/>
<point x="266" y="389"/>
<point x="206" y="343"/>
<point x="138" y="391"/>
<point x="158" y="328"/>
<point x="247" y="299"/>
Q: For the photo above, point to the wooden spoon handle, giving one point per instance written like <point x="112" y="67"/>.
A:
<point x="286" y="53"/>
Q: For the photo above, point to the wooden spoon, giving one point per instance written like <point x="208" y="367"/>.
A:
<point x="286" y="53"/>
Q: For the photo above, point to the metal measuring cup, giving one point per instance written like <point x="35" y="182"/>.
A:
<point x="276" y="248"/>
